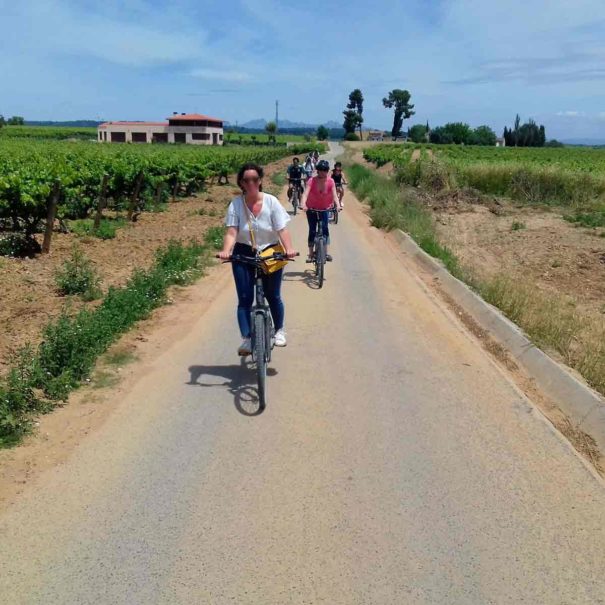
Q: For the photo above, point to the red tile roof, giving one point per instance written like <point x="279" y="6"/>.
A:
<point x="192" y="116"/>
<point x="134" y="124"/>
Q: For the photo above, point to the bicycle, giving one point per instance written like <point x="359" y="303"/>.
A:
<point x="295" y="196"/>
<point x="340" y="191"/>
<point x="261" y="322"/>
<point x="334" y="211"/>
<point x="319" y="248"/>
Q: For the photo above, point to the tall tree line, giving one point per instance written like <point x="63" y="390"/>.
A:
<point x="525" y="135"/>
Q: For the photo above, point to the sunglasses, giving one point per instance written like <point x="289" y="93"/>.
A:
<point x="322" y="170"/>
<point x="251" y="179"/>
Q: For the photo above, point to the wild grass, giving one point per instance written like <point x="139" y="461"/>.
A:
<point x="554" y="323"/>
<point x="108" y="227"/>
<point x="278" y="178"/>
<point x="588" y="218"/>
<point x="547" y="185"/>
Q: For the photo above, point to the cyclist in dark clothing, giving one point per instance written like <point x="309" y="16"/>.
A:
<point x="295" y="175"/>
<point x="339" y="181"/>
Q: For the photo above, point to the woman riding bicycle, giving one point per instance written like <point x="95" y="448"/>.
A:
<point x="320" y="194"/>
<point x="308" y="167"/>
<point x="266" y="217"/>
<point x="339" y="180"/>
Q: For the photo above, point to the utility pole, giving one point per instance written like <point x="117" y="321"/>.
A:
<point x="276" y="116"/>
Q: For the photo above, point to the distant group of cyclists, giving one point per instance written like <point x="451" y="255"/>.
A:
<point x="256" y="220"/>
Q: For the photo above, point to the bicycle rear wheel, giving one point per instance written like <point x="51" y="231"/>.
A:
<point x="260" y="355"/>
<point x="320" y="260"/>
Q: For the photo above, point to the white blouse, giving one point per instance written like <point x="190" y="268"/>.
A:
<point x="271" y="219"/>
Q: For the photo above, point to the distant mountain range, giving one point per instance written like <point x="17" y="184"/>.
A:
<point x="260" y="123"/>
<point x="69" y="123"/>
<point x="589" y="142"/>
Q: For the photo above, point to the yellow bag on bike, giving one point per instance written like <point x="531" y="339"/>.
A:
<point x="271" y="265"/>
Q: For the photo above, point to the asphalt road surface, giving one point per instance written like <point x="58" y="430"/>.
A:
<point x="394" y="463"/>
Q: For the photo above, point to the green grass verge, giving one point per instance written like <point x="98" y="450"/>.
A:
<point x="71" y="344"/>
<point x="393" y="207"/>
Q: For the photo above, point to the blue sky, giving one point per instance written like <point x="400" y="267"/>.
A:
<point x="468" y="60"/>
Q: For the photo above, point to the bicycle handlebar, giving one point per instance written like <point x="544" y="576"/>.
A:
<point x="256" y="260"/>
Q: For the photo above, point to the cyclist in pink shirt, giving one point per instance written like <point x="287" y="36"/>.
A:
<point x="320" y="194"/>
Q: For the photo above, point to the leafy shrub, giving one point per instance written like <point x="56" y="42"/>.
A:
<point x="78" y="276"/>
<point x="351" y="136"/>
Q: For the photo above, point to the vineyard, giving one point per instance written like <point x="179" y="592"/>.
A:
<point x="564" y="176"/>
<point x="55" y="133"/>
<point x="238" y="138"/>
<point x="78" y="174"/>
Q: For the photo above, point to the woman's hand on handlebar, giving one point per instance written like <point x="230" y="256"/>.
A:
<point x="291" y="253"/>
<point x="224" y="254"/>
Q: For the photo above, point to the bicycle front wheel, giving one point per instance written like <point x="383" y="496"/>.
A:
<point x="295" y="202"/>
<point x="320" y="260"/>
<point x="335" y="216"/>
<point x="260" y="354"/>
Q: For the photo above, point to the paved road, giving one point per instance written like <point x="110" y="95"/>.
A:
<point x="394" y="463"/>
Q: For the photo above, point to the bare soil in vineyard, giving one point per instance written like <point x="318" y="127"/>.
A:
<point x="29" y="295"/>
<point x="493" y="236"/>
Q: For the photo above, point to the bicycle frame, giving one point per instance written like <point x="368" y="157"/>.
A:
<point x="319" y="246"/>
<point x="261" y="307"/>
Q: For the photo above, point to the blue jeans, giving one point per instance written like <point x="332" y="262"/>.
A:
<point x="312" y="219"/>
<point x="244" y="284"/>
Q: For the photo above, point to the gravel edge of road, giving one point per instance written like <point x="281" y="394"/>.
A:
<point x="584" y="406"/>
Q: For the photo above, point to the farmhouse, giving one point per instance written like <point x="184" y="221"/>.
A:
<point x="500" y="142"/>
<point x="375" y="135"/>
<point x="190" y="128"/>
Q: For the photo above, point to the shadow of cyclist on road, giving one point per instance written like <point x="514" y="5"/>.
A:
<point x="240" y="382"/>
<point x="307" y="277"/>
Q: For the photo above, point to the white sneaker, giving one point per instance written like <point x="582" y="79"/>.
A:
<point x="245" y="348"/>
<point x="280" y="338"/>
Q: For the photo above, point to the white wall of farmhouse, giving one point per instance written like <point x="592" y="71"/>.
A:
<point x="147" y="132"/>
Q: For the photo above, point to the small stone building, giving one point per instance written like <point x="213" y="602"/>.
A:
<point x="192" y="128"/>
<point x="375" y="135"/>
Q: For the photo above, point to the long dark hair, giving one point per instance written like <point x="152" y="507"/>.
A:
<point x="250" y="166"/>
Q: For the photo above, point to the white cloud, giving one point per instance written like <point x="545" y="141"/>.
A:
<point x="55" y="28"/>
<point x="571" y="114"/>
